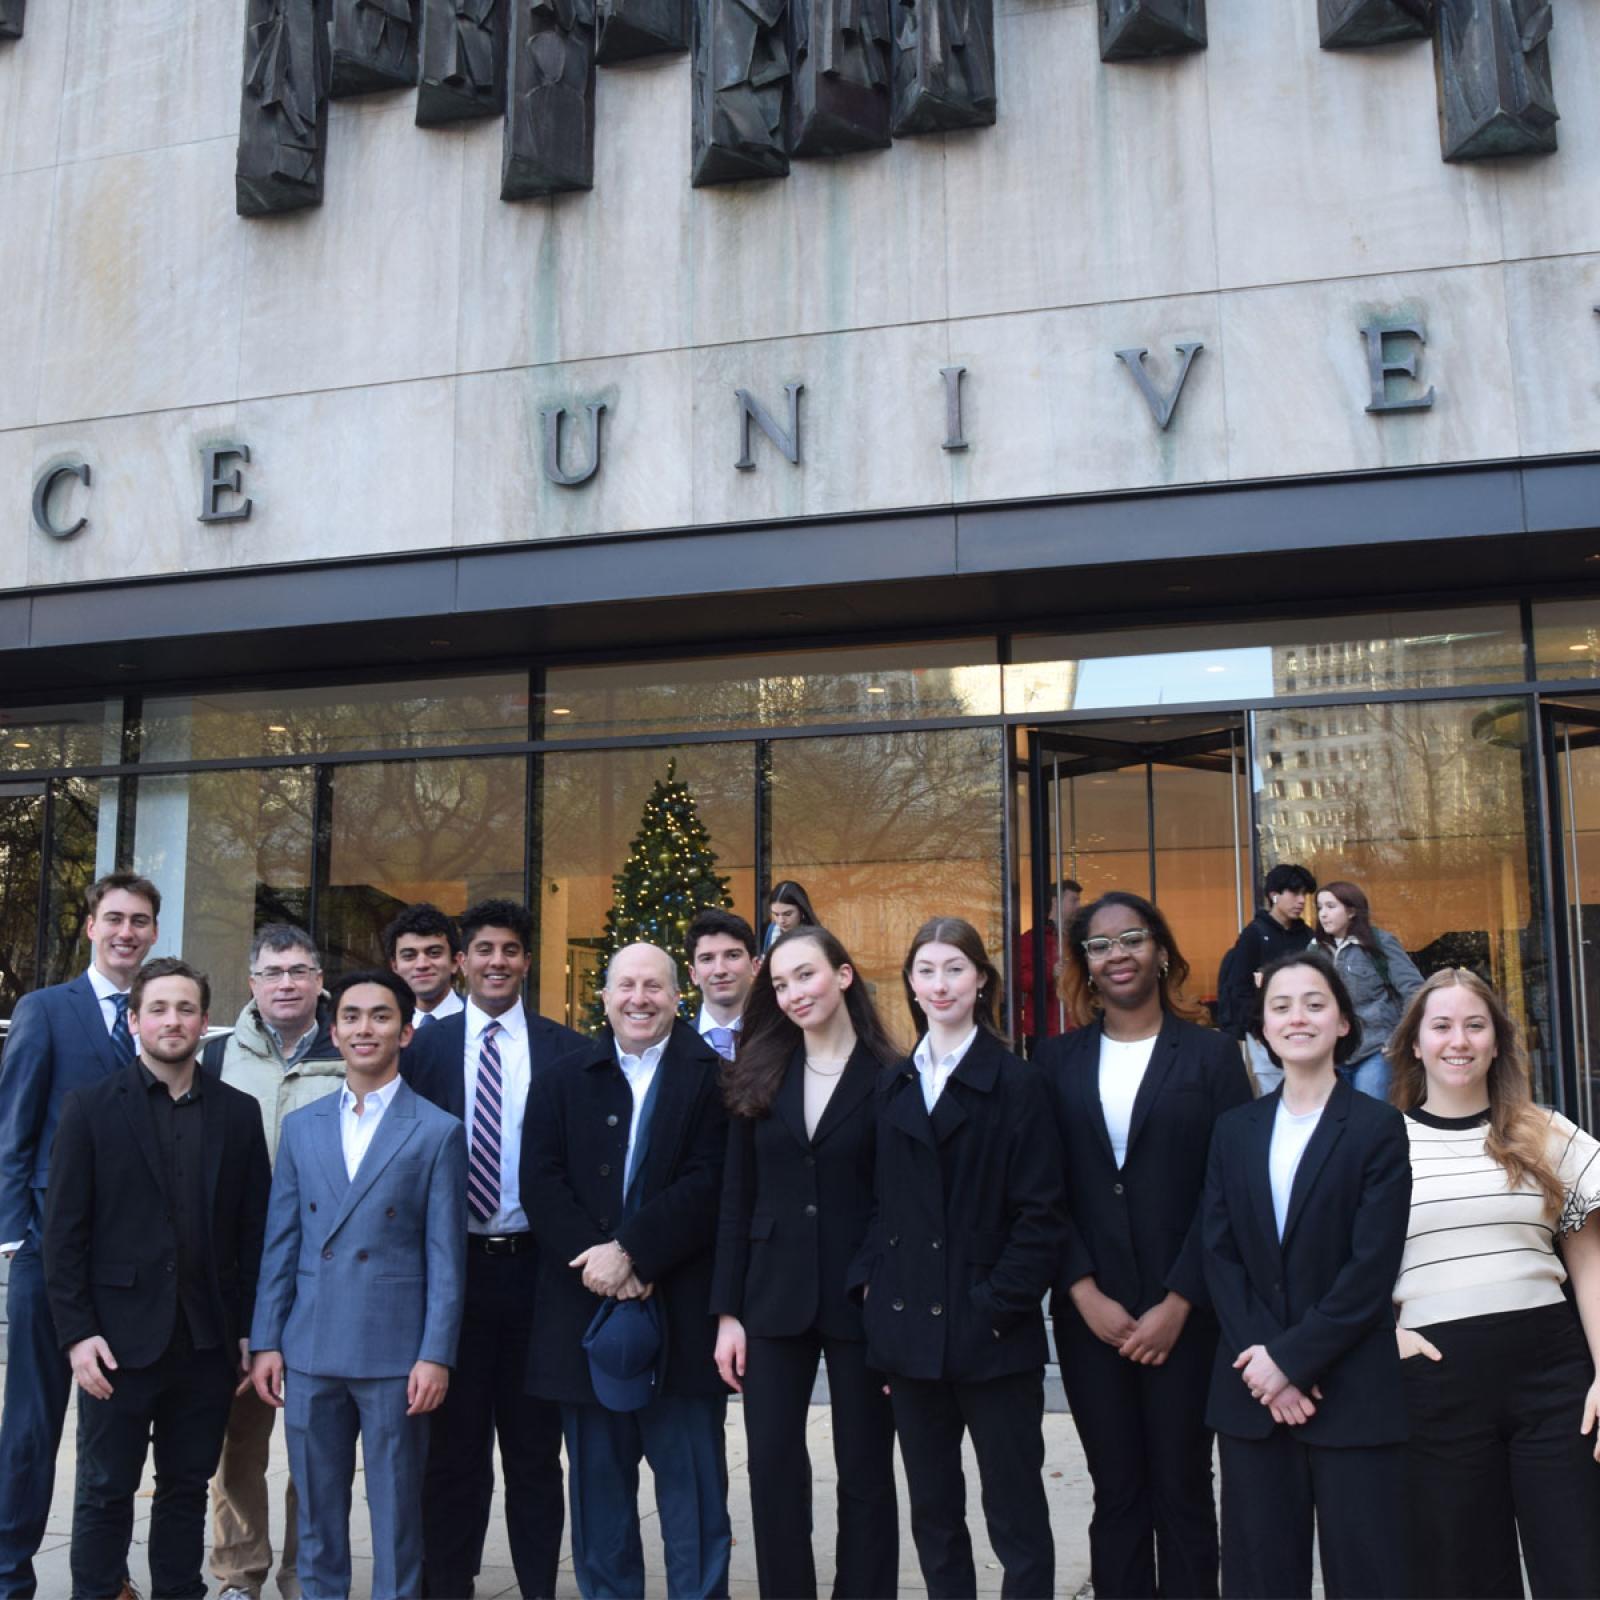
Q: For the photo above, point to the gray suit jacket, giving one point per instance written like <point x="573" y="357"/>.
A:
<point x="364" y="1279"/>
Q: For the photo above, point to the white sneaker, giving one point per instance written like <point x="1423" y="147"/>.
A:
<point x="236" y="1594"/>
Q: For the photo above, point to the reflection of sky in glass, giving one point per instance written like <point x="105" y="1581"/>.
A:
<point x="1181" y="678"/>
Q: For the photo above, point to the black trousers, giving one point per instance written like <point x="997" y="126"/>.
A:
<point x="779" y="1374"/>
<point x="1005" y="1417"/>
<point x="1274" y="1490"/>
<point x="179" y="1406"/>
<point x="1495" y="1452"/>
<point x="1148" y="1448"/>
<point x="487" y="1399"/>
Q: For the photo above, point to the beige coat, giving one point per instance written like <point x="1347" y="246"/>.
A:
<point x="253" y="1062"/>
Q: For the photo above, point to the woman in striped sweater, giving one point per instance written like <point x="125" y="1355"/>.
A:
<point x="1500" y="1372"/>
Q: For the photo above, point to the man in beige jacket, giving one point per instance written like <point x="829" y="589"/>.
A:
<point x="282" y="1053"/>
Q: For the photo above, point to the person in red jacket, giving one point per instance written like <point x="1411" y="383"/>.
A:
<point x="1062" y="903"/>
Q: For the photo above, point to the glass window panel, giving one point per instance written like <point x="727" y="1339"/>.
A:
<point x="451" y="832"/>
<point x="21" y="863"/>
<point x="84" y="735"/>
<point x="1428" y="810"/>
<point x="885" y="830"/>
<point x="83" y="826"/>
<point x="592" y="805"/>
<point x="1566" y="638"/>
<point x="1577" y="778"/>
<point x="1205" y="663"/>
<point x="229" y="851"/>
<point x="414" y="714"/>
<point x="867" y="683"/>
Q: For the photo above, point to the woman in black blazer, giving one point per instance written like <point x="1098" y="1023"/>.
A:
<point x="962" y="1249"/>
<point x="1308" y="1195"/>
<point x="796" y="1202"/>
<point x="1137" y="1087"/>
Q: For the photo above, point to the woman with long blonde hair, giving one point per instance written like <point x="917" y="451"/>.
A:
<point x="1500" y="1372"/>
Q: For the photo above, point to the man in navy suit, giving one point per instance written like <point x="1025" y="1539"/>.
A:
<point x="478" y="1065"/>
<point x="358" y="1307"/>
<point x="62" y="1038"/>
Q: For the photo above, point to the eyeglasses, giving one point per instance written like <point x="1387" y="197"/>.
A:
<point x="1133" y="939"/>
<point x="299" y="972"/>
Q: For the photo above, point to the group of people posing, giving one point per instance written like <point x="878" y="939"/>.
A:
<point x="480" y="1226"/>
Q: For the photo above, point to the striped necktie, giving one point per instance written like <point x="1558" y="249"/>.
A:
<point x="483" y="1161"/>
<point x="121" y="1037"/>
<point x="722" y="1041"/>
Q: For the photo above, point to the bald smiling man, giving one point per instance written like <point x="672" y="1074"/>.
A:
<point x="622" y="1158"/>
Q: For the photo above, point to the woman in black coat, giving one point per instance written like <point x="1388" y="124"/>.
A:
<point x="1308" y="1195"/>
<point x="796" y="1203"/>
<point x="962" y="1249"/>
<point x="1137" y="1087"/>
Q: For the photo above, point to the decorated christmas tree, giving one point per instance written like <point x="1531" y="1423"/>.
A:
<point x="669" y="875"/>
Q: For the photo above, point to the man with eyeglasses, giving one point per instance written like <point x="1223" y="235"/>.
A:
<point x="282" y="1052"/>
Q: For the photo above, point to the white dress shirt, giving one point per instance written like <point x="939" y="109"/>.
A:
<point x="356" y="1132"/>
<point x="705" y="1022"/>
<point x="512" y="1041"/>
<point x="106" y="992"/>
<point x="640" y="1071"/>
<point x="936" y="1074"/>
<point x="447" y="1007"/>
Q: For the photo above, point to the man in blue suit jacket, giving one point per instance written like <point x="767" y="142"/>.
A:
<point x="66" y="1037"/>
<point x="359" y="1303"/>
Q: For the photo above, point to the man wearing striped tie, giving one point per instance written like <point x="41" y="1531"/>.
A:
<point x="477" y="1065"/>
<point x="721" y="950"/>
<point x="62" y="1038"/>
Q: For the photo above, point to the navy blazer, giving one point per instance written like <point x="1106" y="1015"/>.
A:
<point x="1322" y="1300"/>
<point x="574" y="1151"/>
<point x="1136" y="1229"/>
<point x="795" y="1208"/>
<point x="58" y="1042"/>
<point x="434" y="1063"/>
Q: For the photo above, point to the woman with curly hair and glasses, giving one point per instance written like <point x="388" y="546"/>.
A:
<point x="1499" y="1365"/>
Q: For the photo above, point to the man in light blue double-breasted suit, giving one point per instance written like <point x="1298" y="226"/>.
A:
<point x="359" y="1301"/>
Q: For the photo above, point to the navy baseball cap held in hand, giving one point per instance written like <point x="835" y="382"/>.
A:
<point x="623" y="1343"/>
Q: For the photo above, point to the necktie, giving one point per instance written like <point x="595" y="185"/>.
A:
<point x="424" y="1020"/>
<point x="722" y="1041"/>
<point x="121" y="1038"/>
<point x="483" y="1160"/>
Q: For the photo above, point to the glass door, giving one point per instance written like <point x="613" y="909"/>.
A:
<point x="1572" y="744"/>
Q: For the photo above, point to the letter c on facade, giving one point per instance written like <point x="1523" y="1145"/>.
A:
<point x="41" y="498"/>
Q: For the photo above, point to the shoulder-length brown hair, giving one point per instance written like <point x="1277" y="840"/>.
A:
<point x="1518" y="1129"/>
<point x="1072" y="976"/>
<point x="768" y="1038"/>
<point x="960" y="933"/>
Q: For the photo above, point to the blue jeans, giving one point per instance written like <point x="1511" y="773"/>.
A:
<point x="1369" y="1074"/>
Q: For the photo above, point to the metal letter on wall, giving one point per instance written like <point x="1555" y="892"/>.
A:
<point x="740" y="86"/>
<point x="786" y="439"/>
<point x="1496" y="95"/>
<point x="219" y="477"/>
<point x="283" y="118"/>
<point x="1161" y="405"/>
<point x="1133" y="29"/>
<point x="11" y="18"/>
<point x="955" y="437"/>
<point x="1381" y="366"/>
<point x="1354" y="24"/>
<point x="841" y="53"/>
<point x="550" y="129"/>
<point x="551" y="421"/>
<point x="943" y="65"/>
<point x="462" y="61"/>
<point x="625" y="29"/>
<point x="374" y="45"/>
<point x="43" y="489"/>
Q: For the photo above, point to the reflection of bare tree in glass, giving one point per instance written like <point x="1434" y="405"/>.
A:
<point x="21" y="850"/>
<point x="74" y="843"/>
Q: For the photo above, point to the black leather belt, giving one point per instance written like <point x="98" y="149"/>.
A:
<point x="500" y="1244"/>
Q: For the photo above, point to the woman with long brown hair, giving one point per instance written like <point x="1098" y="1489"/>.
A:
<point x="797" y="1198"/>
<point x="1500" y="1368"/>
<point x="961" y="1252"/>
<point x="1137" y="1089"/>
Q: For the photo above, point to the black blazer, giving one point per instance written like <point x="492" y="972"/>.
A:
<point x="1322" y="1302"/>
<point x="574" y="1150"/>
<point x="1136" y="1229"/>
<point x="795" y="1208"/>
<point x="110" y="1247"/>
<point x="967" y="1230"/>
<point x="434" y="1063"/>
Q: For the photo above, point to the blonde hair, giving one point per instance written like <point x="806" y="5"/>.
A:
<point x="1518" y="1139"/>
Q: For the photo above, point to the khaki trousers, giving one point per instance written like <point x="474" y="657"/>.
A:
<point x="241" y="1547"/>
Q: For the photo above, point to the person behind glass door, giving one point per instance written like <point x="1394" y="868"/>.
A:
<point x="1303" y="1223"/>
<point x="796" y="1201"/>
<point x="1061" y="906"/>
<point x="1137" y="1089"/>
<point x="954" y="1269"/>
<point x="1376" y="970"/>
<point x="1499" y="1372"/>
<point x="1278" y="928"/>
<point x="788" y="906"/>
<point x="720" y="948"/>
<point x="423" y="948"/>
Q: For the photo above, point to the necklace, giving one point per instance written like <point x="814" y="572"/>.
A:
<point x="843" y="1062"/>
